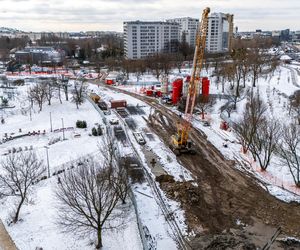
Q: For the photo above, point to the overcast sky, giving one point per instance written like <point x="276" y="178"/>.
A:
<point x="84" y="15"/>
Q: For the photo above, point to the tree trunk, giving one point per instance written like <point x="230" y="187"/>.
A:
<point x="66" y="94"/>
<point x="16" y="218"/>
<point x="99" y="239"/>
<point x="59" y="96"/>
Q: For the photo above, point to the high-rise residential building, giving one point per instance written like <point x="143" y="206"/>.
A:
<point x="142" y="39"/>
<point x="220" y="31"/>
<point x="188" y="29"/>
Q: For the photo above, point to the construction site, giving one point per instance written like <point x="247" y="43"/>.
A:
<point x="192" y="183"/>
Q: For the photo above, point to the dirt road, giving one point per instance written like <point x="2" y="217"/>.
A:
<point x="224" y="198"/>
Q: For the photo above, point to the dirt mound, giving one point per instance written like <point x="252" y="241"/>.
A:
<point x="165" y="178"/>
<point x="222" y="242"/>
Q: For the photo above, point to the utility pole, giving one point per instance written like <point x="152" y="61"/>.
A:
<point x="63" y="128"/>
<point x="50" y="122"/>
<point x="46" y="147"/>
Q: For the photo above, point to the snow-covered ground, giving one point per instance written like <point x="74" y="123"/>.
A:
<point x="38" y="216"/>
<point x="147" y="206"/>
<point x="37" y="227"/>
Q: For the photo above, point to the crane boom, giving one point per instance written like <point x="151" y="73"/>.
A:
<point x="180" y="141"/>
<point x="197" y="64"/>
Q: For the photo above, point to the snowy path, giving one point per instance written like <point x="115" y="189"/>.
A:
<point x="6" y="242"/>
<point x="155" y="211"/>
<point x="293" y="75"/>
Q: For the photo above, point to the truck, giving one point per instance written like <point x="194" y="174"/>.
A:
<point x="118" y="104"/>
<point x="95" y="97"/>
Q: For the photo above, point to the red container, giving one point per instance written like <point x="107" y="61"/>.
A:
<point x="188" y="78"/>
<point x="177" y="90"/>
<point x="149" y="92"/>
<point x="109" y="81"/>
<point x="118" y="103"/>
<point x="158" y="93"/>
<point x="205" y="86"/>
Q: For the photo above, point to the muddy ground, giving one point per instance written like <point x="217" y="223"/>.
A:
<point x="226" y="208"/>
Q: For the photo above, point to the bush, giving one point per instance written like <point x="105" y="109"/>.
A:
<point x="81" y="124"/>
<point x="99" y="131"/>
<point x="4" y="102"/>
<point x="94" y="131"/>
<point x="19" y="82"/>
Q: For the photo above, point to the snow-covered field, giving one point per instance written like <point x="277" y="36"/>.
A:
<point x="37" y="227"/>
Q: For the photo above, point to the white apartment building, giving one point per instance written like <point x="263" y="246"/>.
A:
<point x="142" y="39"/>
<point x="220" y="29"/>
<point x="188" y="29"/>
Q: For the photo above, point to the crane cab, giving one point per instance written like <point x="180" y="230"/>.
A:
<point x="181" y="144"/>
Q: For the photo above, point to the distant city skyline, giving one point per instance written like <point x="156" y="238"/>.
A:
<point x="79" y="15"/>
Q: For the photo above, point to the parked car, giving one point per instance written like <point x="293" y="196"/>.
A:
<point x="114" y="121"/>
<point x="206" y="123"/>
<point x="139" y="138"/>
<point x="106" y="112"/>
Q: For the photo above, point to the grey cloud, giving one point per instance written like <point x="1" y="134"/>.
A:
<point x="114" y="12"/>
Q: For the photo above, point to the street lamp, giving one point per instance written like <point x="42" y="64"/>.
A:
<point x="63" y="128"/>
<point x="46" y="147"/>
<point x="50" y="122"/>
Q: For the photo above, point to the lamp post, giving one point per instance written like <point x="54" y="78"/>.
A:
<point x="63" y="128"/>
<point x="46" y="147"/>
<point x="50" y="122"/>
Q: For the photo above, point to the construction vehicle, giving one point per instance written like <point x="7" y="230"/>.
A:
<point x="180" y="142"/>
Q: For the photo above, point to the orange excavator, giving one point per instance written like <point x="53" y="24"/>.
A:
<point x="180" y="142"/>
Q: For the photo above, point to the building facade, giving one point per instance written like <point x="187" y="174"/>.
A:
<point x="220" y="32"/>
<point x="40" y="55"/>
<point x="142" y="39"/>
<point x="188" y="29"/>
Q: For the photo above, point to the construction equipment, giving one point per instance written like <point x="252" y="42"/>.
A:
<point x="180" y="141"/>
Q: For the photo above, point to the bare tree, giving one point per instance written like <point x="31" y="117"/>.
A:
<point x="228" y="107"/>
<point x="155" y="65"/>
<point x="295" y="104"/>
<point x="234" y="95"/>
<point x="87" y="199"/>
<point x="204" y="103"/>
<point x="65" y="86"/>
<point x="50" y="88"/>
<point x="289" y="150"/>
<point x="37" y="94"/>
<point x="79" y="92"/>
<point x="19" y="172"/>
<point x="57" y="84"/>
<point x="121" y="182"/>
<point x="265" y="142"/>
<point x="253" y="115"/>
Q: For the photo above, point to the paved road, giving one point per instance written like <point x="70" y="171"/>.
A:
<point x="6" y="242"/>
